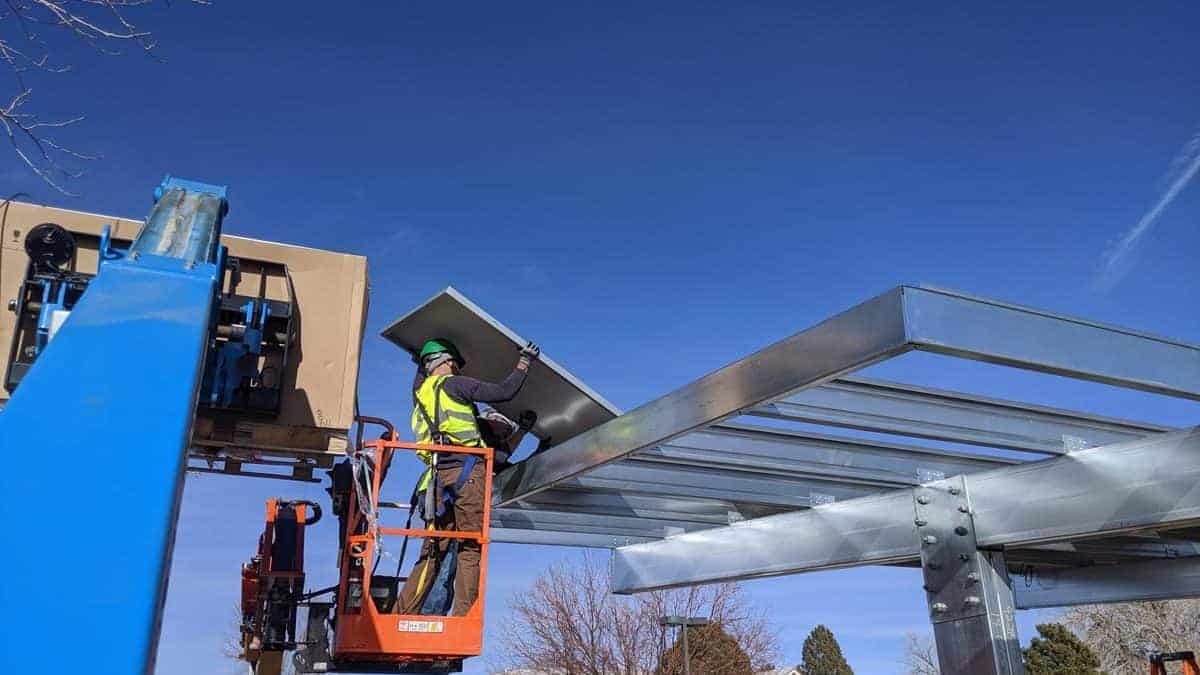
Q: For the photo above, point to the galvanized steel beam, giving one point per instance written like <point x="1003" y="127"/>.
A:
<point x="1128" y="582"/>
<point x="923" y="412"/>
<point x="550" y="519"/>
<point x="719" y="484"/>
<point x="876" y="530"/>
<point x="818" y="456"/>
<point x="868" y="333"/>
<point x="505" y="535"/>
<point x="1151" y="483"/>
<point x="960" y="325"/>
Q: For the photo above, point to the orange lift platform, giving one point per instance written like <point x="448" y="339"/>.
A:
<point x="347" y="634"/>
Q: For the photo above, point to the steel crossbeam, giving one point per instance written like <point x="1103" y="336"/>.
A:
<point x="923" y="412"/>
<point x="1151" y="483"/>
<point x="1128" y="582"/>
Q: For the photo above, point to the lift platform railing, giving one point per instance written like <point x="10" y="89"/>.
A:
<point x="368" y="630"/>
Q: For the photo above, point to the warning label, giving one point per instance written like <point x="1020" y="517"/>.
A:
<point x="421" y="626"/>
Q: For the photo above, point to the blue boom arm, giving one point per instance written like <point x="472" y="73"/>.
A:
<point x="87" y="554"/>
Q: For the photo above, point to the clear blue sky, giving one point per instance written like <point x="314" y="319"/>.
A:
<point x="654" y="192"/>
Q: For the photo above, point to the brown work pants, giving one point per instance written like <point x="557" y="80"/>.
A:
<point x="466" y="516"/>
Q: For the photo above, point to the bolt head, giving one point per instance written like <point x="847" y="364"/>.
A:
<point x="961" y="531"/>
<point x="972" y="601"/>
<point x="964" y="557"/>
<point x="973" y="578"/>
<point x="954" y="491"/>
<point x="939" y="608"/>
<point x="929" y="540"/>
<point x="921" y="523"/>
<point x="962" y="508"/>
<point x="923" y="499"/>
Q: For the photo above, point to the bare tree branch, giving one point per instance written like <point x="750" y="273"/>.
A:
<point x="569" y="623"/>
<point x="103" y="25"/>
<point x="1122" y="636"/>
<point x="920" y="655"/>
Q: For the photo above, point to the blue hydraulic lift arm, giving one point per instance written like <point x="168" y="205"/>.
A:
<point x="87" y="551"/>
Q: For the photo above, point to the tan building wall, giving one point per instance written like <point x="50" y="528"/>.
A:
<point x="330" y="307"/>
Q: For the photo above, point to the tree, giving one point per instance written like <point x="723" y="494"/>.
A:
<point x="26" y="29"/>
<point x="711" y="650"/>
<point x="1123" y="635"/>
<point x="1059" y="652"/>
<point x="822" y="655"/>
<point x="920" y="656"/>
<point x="569" y="623"/>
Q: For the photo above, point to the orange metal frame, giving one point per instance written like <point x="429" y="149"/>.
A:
<point x="363" y="633"/>
<point x="1187" y="663"/>
<point x="257" y="577"/>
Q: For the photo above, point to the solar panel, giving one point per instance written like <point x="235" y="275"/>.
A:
<point x="565" y="406"/>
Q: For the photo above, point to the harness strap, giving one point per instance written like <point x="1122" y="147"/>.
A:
<point x="435" y="430"/>
<point x="449" y="493"/>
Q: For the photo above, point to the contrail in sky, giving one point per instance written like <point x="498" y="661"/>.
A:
<point x="1116" y="260"/>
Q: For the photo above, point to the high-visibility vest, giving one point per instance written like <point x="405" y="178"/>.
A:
<point x="453" y="419"/>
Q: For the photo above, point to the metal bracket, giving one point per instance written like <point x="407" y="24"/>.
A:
<point x="968" y="591"/>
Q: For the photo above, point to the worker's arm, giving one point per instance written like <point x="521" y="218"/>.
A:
<point x="467" y="389"/>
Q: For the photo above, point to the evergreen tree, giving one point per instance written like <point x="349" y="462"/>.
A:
<point x="712" y="652"/>
<point x="822" y="655"/>
<point x="1059" y="652"/>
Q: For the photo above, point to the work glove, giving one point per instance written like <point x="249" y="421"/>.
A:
<point x="526" y="421"/>
<point x="531" y="351"/>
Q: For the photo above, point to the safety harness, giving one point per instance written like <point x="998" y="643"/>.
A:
<point x="431" y="507"/>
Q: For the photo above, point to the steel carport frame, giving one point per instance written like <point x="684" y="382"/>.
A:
<point x="1143" y="477"/>
<point x="903" y="319"/>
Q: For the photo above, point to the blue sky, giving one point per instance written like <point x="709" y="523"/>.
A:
<point x="653" y="192"/>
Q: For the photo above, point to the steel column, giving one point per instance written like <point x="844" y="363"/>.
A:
<point x="970" y="599"/>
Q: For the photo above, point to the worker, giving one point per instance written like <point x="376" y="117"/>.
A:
<point x="445" y="413"/>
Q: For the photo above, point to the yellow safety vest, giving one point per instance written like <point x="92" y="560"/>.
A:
<point x="454" y="420"/>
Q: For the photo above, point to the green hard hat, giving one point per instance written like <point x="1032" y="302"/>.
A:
<point x="439" y="346"/>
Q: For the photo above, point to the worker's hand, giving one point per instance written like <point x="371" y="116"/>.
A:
<point x="526" y="421"/>
<point x="531" y="351"/>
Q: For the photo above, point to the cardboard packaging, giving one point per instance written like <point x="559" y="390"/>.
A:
<point x="329" y="292"/>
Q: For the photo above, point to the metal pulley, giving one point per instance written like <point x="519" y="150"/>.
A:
<point x="49" y="246"/>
